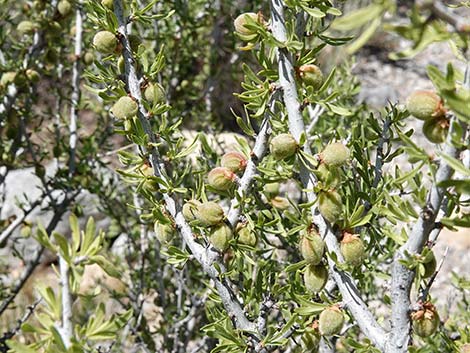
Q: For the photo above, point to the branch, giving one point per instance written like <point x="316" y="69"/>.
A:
<point x="205" y="257"/>
<point x="351" y="297"/>
<point x="402" y="277"/>
<point x="13" y="225"/>
<point x="442" y="12"/>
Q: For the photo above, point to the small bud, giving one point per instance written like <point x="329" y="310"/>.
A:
<point x="425" y="105"/>
<point x="26" y="27"/>
<point x="271" y="190"/>
<point x="331" y="321"/>
<point x="330" y="205"/>
<point x="246" y="235"/>
<point x="280" y="203"/>
<point x="105" y="42"/>
<point x="88" y="58"/>
<point x="315" y="278"/>
<point x="154" y="93"/>
<point x="241" y="21"/>
<point x="312" y="246"/>
<point x="352" y="249"/>
<point x="163" y="232"/>
<point x="210" y="213"/>
<point x="64" y="8"/>
<point x="109" y="4"/>
<point x="335" y="154"/>
<point x="234" y="161"/>
<point x="436" y="130"/>
<point x="311" y="75"/>
<point x="283" y="146"/>
<point x="190" y="210"/>
<point x="430" y="265"/>
<point x="124" y="108"/>
<point x="220" y="237"/>
<point x="221" y="178"/>
<point x="425" y="321"/>
<point x="329" y="176"/>
<point x="32" y="75"/>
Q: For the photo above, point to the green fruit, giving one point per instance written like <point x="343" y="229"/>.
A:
<point x="331" y="321"/>
<point x="329" y="176"/>
<point x="154" y="93"/>
<point x="64" y="7"/>
<point x="26" y="27"/>
<point x="315" y="278"/>
<point x="311" y="338"/>
<point x="241" y="21"/>
<point x="125" y="108"/>
<point x="190" y="210"/>
<point x="425" y="105"/>
<point x="210" y="213"/>
<point x="271" y="190"/>
<point x="335" y="155"/>
<point x="280" y="203"/>
<point x="7" y="78"/>
<point x="221" y="178"/>
<point x="430" y="265"/>
<point x="220" y="237"/>
<point x="425" y="321"/>
<point x="311" y="75"/>
<point x="352" y="249"/>
<point x="312" y="246"/>
<point x="283" y="146"/>
<point x="163" y="232"/>
<point x="109" y="4"/>
<point x="105" y="42"/>
<point x="32" y="75"/>
<point x="436" y="130"/>
<point x="88" y="58"/>
<point x="245" y="234"/>
<point x="234" y="161"/>
<point x="134" y="42"/>
<point x="330" y="205"/>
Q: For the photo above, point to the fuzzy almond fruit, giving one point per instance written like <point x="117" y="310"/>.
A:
<point x="353" y="250"/>
<point x="425" y="105"/>
<point x="425" y="321"/>
<point x="235" y="161"/>
<point x="220" y="237"/>
<point x="154" y="93"/>
<point x="125" y="108"/>
<point x="241" y="22"/>
<point x="335" y="154"/>
<point x="312" y="246"/>
<point x="330" y="205"/>
<point x="315" y="278"/>
<point x="221" y="178"/>
<point x="311" y="75"/>
<point x="105" y="42"/>
<point x="210" y="213"/>
<point x="436" y="130"/>
<point x="331" y="321"/>
<point x="190" y="209"/>
<point x="283" y="146"/>
<point x="163" y="232"/>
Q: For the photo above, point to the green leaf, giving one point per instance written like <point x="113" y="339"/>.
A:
<point x="357" y="18"/>
<point x="455" y="164"/>
<point x="18" y="347"/>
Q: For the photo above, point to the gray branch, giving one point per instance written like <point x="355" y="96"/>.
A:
<point x="351" y="296"/>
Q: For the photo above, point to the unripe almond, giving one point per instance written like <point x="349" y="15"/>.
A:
<point x="26" y="27"/>
<point x="330" y="205"/>
<point x="210" y="213"/>
<point x="190" y="210"/>
<point x="271" y="190"/>
<point x="245" y="234"/>
<point x="234" y="161"/>
<point x="352" y="249"/>
<point x="315" y="277"/>
<point x="64" y="7"/>
<point x="311" y="338"/>
<point x="220" y="237"/>
<point x="109" y="4"/>
<point x="241" y="21"/>
<point x="283" y="146"/>
<point x="154" y="93"/>
<point x="88" y="58"/>
<point x="125" y="108"/>
<point x="311" y="75"/>
<point x="430" y="265"/>
<point x="221" y="178"/>
<point x="331" y="321"/>
<point x="105" y="42"/>
<point x="32" y="75"/>
<point x="329" y="176"/>
<point x="425" y="105"/>
<point x="312" y="246"/>
<point x="335" y="154"/>
<point x="436" y="130"/>
<point x="425" y="321"/>
<point x="280" y="203"/>
<point x="163" y="232"/>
